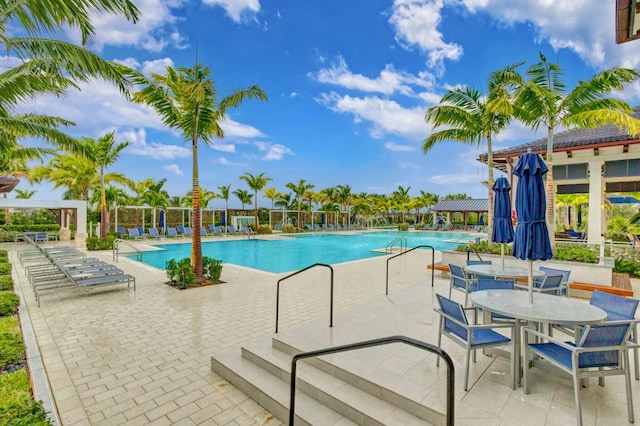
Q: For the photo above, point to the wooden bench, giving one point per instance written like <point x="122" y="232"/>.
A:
<point x="625" y="292"/>
<point x="439" y="267"/>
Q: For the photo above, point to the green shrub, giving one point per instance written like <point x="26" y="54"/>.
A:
<point x="5" y="268"/>
<point x="619" y="237"/>
<point x="264" y="229"/>
<point x="9" y="303"/>
<point x="288" y="228"/>
<point x="212" y="268"/>
<point x="17" y="406"/>
<point x="6" y="282"/>
<point x="186" y="274"/>
<point x="96" y="243"/>
<point x="404" y="226"/>
<point x="172" y="270"/>
<point x="11" y="345"/>
<point x="567" y="252"/>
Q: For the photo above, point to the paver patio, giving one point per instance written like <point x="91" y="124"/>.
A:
<point x="116" y="356"/>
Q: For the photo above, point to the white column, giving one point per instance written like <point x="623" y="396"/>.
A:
<point x="595" y="227"/>
<point x="435" y="217"/>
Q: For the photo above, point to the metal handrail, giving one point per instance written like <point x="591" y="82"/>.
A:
<point x="116" y="249"/>
<point x="377" y="342"/>
<point x="296" y="273"/>
<point x="469" y="250"/>
<point x="401" y="240"/>
<point x="433" y="263"/>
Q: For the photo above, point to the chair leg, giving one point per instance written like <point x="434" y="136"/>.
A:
<point x="634" y="339"/>
<point x="439" y="342"/>
<point x="525" y="369"/>
<point x="627" y="380"/>
<point x="576" y="393"/>
<point x="466" y="369"/>
<point x="513" y="364"/>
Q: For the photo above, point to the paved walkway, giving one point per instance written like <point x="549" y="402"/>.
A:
<point x="115" y="356"/>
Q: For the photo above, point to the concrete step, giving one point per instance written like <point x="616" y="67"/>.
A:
<point x="403" y="394"/>
<point x="271" y="392"/>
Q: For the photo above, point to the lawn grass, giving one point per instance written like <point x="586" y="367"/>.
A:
<point x="17" y="406"/>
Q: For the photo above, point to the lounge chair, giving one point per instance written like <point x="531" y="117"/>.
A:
<point x="142" y="233"/>
<point x="123" y="233"/>
<point x="135" y="234"/>
<point x="316" y="227"/>
<point x="309" y="227"/>
<point x="153" y="233"/>
<point x="172" y="233"/>
<point x="204" y="232"/>
<point x="444" y="227"/>
<point x="180" y="229"/>
<point x="231" y="230"/>
<point x="188" y="231"/>
<point x="216" y="230"/>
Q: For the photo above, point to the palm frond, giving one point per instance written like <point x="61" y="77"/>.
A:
<point x="456" y="135"/>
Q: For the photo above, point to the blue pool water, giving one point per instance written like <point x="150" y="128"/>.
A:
<point x="297" y="252"/>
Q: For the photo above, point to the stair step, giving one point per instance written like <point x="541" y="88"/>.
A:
<point x="271" y="392"/>
<point x="404" y="394"/>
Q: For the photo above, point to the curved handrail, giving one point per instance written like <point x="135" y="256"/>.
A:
<point x="401" y="240"/>
<point x="377" y="342"/>
<point x="433" y="263"/>
<point x="296" y="273"/>
<point x="116" y="249"/>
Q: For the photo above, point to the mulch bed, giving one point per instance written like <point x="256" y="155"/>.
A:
<point x="205" y="283"/>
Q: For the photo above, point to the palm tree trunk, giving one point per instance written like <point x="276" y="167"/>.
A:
<point x="551" y="194"/>
<point x="196" y="243"/>
<point x="256" y="207"/>
<point x="491" y="206"/>
<point x="104" y="222"/>
<point x="7" y="213"/>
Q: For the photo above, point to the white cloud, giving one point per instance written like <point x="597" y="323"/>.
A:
<point x="233" y="129"/>
<point x="386" y="116"/>
<point x="408" y="166"/>
<point x="416" y="24"/>
<point x="224" y="147"/>
<point x="273" y="151"/>
<point x="158" y="66"/>
<point x="586" y="28"/>
<point x="155" y="30"/>
<point x="222" y="161"/>
<point x="173" y="168"/>
<point x="388" y="82"/>
<point x="237" y="9"/>
<point x="392" y="146"/>
<point x="453" y="179"/>
<point x="155" y="150"/>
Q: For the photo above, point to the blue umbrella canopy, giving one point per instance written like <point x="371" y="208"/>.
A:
<point x="223" y="219"/>
<point x="161" y="220"/>
<point x="531" y="240"/>
<point x="481" y="220"/>
<point x="502" y="231"/>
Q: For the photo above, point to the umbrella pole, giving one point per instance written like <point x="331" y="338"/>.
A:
<point x="502" y="254"/>
<point x="530" y="281"/>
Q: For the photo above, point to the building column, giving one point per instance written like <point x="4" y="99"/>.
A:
<point x="435" y="218"/>
<point x="595" y="227"/>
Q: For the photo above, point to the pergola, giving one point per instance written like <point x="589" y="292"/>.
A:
<point x="585" y="161"/>
<point x="479" y="206"/>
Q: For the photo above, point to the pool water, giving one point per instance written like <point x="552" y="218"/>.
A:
<point x="297" y="252"/>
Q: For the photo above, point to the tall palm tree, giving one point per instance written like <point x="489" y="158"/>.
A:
<point x="467" y="119"/>
<point x="299" y="190"/>
<point x="103" y="153"/>
<point x="345" y="198"/>
<point x="402" y="199"/>
<point x="225" y="193"/>
<point x="186" y="99"/>
<point x="257" y="183"/>
<point x="244" y="196"/>
<point x="541" y="99"/>
<point x="271" y="194"/>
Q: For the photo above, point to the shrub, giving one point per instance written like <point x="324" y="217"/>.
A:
<point x="17" y="406"/>
<point x="172" y="270"/>
<point x="404" y="226"/>
<point x="288" y="228"/>
<point x="264" y="229"/>
<point x="567" y="252"/>
<point x="9" y="303"/>
<point x="11" y="345"/>
<point x="6" y="282"/>
<point x="5" y="268"/>
<point x="212" y="268"/>
<point x="186" y="274"/>
<point x="96" y="243"/>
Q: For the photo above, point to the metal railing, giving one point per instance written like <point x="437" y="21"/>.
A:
<point x="116" y="249"/>
<point x="433" y="263"/>
<point x="401" y="240"/>
<point x="299" y="272"/>
<point x="377" y="342"/>
<point x="469" y="250"/>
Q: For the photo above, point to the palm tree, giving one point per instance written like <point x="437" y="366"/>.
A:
<point x="186" y="99"/>
<point x="103" y="153"/>
<point x="299" y="191"/>
<point x="542" y="100"/>
<point x="257" y="183"/>
<point x="468" y="120"/>
<point x="402" y="199"/>
<point x="344" y="197"/>
<point x="225" y="192"/>
<point x="244" y="196"/>
<point x="271" y="194"/>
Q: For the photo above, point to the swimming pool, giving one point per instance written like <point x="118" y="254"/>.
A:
<point x="299" y="251"/>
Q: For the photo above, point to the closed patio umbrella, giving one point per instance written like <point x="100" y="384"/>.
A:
<point x="502" y="231"/>
<point x="531" y="240"/>
<point x="481" y="220"/>
<point x="161" y="220"/>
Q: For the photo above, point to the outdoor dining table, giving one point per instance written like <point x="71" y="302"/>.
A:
<point x="546" y="308"/>
<point x="498" y="271"/>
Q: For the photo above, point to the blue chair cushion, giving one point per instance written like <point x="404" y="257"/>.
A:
<point x="482" y="336"/>
<point x="562" y="356"/>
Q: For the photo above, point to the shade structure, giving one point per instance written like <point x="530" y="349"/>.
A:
<point x="161" y="220"/>
<point x="531" y="240"/>
<point x="502" y="231"/>
<point x="481" y="220"/>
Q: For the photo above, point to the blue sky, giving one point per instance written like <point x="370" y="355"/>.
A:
<point x="348" y="82"/>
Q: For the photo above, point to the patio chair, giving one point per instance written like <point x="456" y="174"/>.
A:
<point x="204" y="232"/>
<point x="187" y="231"/>
<point x="141" y="232"/>
<point x="172" y="233"/>
<point x="216" y="230"/>
<point x="462" y="282"/>
<point x="602" y="350"/>
<point x="308" y="226"/>
<point x="485" y="283"/>
<point x="454" y="325"/>
<point x="121" y="230"/>
<point x="134" y="233"/>
<point x="180" y="229"/>
<point x="550" y="284"/>
<point x="316" y="227"/>
<point x="231" y="230"/>
<point x="444" y="227"/>
<point x="565" y="278"/>
<point x="153" y="233"/>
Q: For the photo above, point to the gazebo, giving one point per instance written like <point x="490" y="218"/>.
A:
<point x="465" y="207"/>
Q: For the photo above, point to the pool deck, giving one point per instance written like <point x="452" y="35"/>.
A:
<point x="115" y="356"/>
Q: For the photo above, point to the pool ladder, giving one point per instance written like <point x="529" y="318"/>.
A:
<point x="401" y="241"/>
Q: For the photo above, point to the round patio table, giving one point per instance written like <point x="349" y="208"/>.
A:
<point x="546" y="308"/>
<point x="500" y="272"/>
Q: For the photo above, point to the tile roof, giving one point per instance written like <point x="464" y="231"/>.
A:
<point x="571" y="139"/>
<point x="476" y="205"/>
